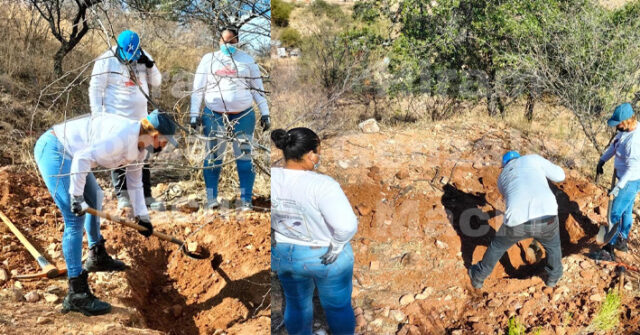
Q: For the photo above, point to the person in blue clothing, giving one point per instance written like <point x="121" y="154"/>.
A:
<point x="531" y="211"/>
<point x="312" y="224"/>
<point x="626" y="149"/>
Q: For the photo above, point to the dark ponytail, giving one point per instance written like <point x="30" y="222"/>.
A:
<point x="296" y="142"/>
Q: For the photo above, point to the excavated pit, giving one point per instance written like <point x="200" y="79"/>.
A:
<point x="172" y="293"/>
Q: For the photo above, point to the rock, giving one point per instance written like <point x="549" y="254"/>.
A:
<point x="473" y="319"/>
<point x="560" y="330"/>
<point x="406" y="299"/>
<point x="547" y="290"/>
<point x="43" y="321"/>
<point x="4" y="276"/>
<point x="51" y="298"/>
<point x="358" y="311"/>
<point x="176" y="310"/>
<point x="187" y="206"/>
<point x="585" y="264"/>
<point x="343" y="164"/>
<point x="448" y="297"/>
<point x="444" y="180"/>
<point x="374" y="265"/>
<point x="369" y="126"/>
<point x="320" y="332"/>
<point x="40" y="211"/>
<point x="397" y="315"/>
<point x="457" y="332"/>
<point x="493" y="303"/>
<point x="28" y="210"/>
<point x="628" y="286"/>
<point x="586" y="274"/>
<point x="18" y="285"/>
<point x="363" y="209"/>
<point x="360" y="321"/>
<point x="441" y="245"/>
<point x="596" y="297"/>
<point x="194" y="247"/>
<point x="32" y="296"/>
<point x="15" y="294"/>
<point x="377" y="323"/>
<point x="402" y="174"/>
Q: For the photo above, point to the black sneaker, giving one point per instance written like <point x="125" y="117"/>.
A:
<point x="607" y="253"/>
<point x="621" y="244"/>
<point x="80" y="299"/>
<point x="474" y="282"/>
<point x="99" y="260"/>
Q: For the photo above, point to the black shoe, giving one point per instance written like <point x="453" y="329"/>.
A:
<point x="474" y="282"/>
<point x="621" y="244"/>
<point x="99" y="260"/>
<point x="80" y="299"/>
<point x="607" y="253"/>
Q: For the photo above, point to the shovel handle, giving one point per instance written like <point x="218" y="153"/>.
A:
<point x="130" y="224"/>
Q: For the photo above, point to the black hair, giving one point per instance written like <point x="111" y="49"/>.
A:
<point x="296" y="142"/>
<point x="230" y="29"/>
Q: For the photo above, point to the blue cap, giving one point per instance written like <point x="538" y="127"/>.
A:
<point x="164" y="124"/>
<point x="129" y="46"/>
<point x="506" y="158"/>
<point x="621" y="113"/>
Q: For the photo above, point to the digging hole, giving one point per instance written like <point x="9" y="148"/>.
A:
<point x="179" y="295"/>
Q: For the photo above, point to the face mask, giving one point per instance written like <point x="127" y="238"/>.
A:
<point x="317" y="165"/>
<point x="228" y="49"/>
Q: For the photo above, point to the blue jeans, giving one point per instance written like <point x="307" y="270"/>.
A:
<point x="622" y="208"/>
<point x="52" y="161"/>
<point x="243" y="124"/>
<point x="300" y="272"/>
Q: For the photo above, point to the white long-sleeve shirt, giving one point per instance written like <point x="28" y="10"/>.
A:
<point x="228" y="84"/>
<point x="309" y="209"/>
<point x="523" y="185"/>
<point x="626" y="147"/>
<point x="112" y="90"/>
<point x="106" y="140"/>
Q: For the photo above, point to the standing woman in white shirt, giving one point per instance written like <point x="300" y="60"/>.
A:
<point x="626" y="149"/>
<point x="65" y="156"/>
<point x="114" y="89"/>
<point x="229" y="81"/>
<point x="312" y="223"/>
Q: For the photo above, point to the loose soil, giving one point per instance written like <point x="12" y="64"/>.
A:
<point x="415" y="191"/>
<point x="164" y="292"/>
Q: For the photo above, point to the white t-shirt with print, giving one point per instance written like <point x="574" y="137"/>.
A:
<point x="308" y="208"/>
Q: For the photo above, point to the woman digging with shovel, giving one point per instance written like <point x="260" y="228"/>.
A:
<point x="626" y="148"/>
<point x="65" y="156"/>
<point x="312" y="223"/>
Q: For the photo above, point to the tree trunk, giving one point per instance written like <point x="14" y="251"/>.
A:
<point x="529" y="108"/>
<point x="57" y="61"/>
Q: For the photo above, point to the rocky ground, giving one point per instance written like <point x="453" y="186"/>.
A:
<point x="164" y="292"/>
<point x="413" y="189"/>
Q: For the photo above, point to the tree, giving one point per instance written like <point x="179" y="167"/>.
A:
<point x="280" y="12"/>
<point x="56" y="13"/>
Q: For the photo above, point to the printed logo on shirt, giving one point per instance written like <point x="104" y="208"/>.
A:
<point x="129" y="83"/>
<point x="288" y="219"/>
<point x="227" y="71"/>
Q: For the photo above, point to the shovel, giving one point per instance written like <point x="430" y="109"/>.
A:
<point x="606" y="233"/>
<point x="204" y="254"/>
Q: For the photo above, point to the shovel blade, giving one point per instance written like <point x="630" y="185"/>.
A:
<point x="606" y="233"/>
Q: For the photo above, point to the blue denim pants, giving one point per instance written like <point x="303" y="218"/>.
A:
<point x="55" y="167"/>
<point x="243" y="124"/>
<point x="622" y="209"/>
<point x="300" y="272"/>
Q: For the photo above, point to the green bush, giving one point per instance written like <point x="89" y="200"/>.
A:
<point x="290" y="37"/>
<point x="280" y="12"/>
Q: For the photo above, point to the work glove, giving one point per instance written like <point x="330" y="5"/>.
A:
<point x="78" y="205"/>
<point x="144" y="221"/>
<point x="614" y="192"/>
<point x="332" y="254"/>
<point x="195" y="122"/>
<point x="600" y="167"/>
<point x="265" y="122"/>
<point x="144" y="59"/>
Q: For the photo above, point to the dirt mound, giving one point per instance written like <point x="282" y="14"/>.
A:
<point x="163" y="292"/>
<point x="428" y="205"/>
